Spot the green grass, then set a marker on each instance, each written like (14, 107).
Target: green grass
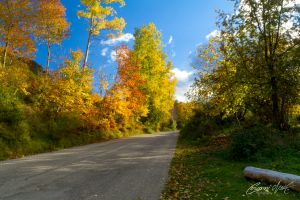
(204, 171)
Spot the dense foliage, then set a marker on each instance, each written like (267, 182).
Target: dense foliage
(248, 78)
(43, 109)
(250, 71)
(159, 84)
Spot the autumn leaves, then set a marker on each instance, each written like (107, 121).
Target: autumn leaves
(252, 67)
(96, 13)
(51, 23)
(23, 22)
(62, 105)
(15, 17)
(146, 75)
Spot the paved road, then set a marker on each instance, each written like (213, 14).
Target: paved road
(135, 168)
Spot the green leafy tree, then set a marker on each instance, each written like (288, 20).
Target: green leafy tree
(260, 38)
(218, 84)
(253, 61)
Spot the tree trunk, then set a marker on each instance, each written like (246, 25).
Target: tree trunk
(284, 115)
(5, 54)
(48, 58)
(278, 120)
(87, 49)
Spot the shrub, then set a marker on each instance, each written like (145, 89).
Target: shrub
(108, 135)
(298, 119)
(148, 130)
(171, 125)
(199, 128)
(174, 125)
(248, 142)
(10, 112)
(65, 126)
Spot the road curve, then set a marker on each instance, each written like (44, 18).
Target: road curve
(134, 168)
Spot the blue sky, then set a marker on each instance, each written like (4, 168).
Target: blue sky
(184, 25)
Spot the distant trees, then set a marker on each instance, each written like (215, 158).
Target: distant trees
(100, 17)
(255, 62)
(51, 24)
(184, 112)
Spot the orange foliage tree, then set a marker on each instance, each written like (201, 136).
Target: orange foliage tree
(130, 81)
(125, 102)
(15, 22)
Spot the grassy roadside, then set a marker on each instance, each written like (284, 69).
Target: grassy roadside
(202, 170)
(38, 145)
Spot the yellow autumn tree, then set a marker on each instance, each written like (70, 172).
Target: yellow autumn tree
(159, 84)
(69, 90)
(52, 25)
(100, 16)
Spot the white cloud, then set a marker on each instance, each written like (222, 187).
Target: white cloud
(113, 56)
(123, 38)
(104, 52)
(213, 34)
(181, 90)
(170, 40)
(182, 75)
(185, 80)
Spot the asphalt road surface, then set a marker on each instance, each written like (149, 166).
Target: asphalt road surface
(134, 168)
